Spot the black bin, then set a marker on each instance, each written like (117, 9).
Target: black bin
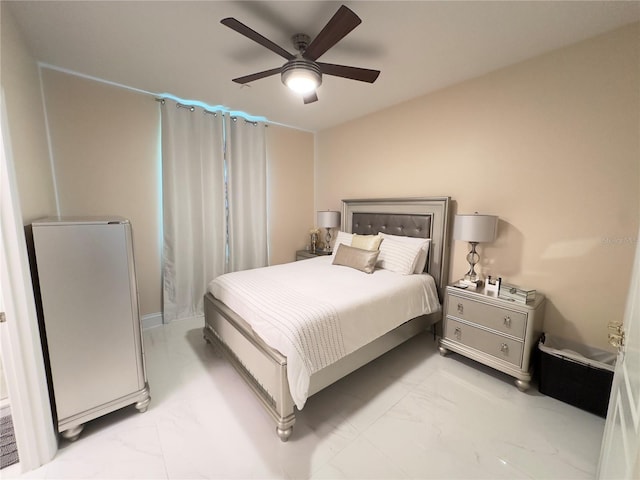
(576, 374)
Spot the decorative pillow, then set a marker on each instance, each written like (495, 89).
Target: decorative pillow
(344, 238)
(363, 260)
(366, 242)
(424, 243)
(398, 256)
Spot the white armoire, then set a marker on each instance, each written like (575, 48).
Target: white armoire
(89, 304)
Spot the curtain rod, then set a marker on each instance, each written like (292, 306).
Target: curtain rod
(48, 66)
(192, 108)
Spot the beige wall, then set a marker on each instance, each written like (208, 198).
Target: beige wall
(551, 145)
(105, 143)
(25, 114)
(290, 157)
(105, 148)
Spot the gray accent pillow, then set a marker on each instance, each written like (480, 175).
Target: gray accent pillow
(363, 260)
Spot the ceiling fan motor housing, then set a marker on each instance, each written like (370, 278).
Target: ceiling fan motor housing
(300, 42)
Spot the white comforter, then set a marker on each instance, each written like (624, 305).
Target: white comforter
(315, 313)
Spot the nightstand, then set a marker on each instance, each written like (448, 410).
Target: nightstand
(496, 332)
(304, 254)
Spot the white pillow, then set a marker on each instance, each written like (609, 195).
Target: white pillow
(424, 243)
(423, 256)
(342, 237)
(398, 256)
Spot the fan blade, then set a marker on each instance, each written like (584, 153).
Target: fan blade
(338, 27)
(310, 98)
(242, 29)
(352, 73)
(256, 76)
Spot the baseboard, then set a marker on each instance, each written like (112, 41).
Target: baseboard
(151, 320)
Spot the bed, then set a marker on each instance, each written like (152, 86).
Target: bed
(278, 379)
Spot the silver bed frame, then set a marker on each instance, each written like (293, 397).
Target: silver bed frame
(265, 369)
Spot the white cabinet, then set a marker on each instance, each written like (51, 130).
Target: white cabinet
(499, 333)
(89, 304)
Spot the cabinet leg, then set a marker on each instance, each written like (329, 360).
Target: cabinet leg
(142, 405)
(523, 385)
(72, 434)
(443, 351)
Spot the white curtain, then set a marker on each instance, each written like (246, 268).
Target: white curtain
(247, 194)
(194, 212)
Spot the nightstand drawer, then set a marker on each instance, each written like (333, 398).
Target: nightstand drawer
(493, 344)
(500, 319)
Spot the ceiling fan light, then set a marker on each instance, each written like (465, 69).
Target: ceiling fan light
(301, 81)
(301, 76)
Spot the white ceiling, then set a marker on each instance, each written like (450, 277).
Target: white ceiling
(181, 48)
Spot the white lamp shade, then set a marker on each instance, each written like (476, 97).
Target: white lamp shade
(475, 228)
(328, 219)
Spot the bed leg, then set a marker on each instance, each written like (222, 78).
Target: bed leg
(284, 433)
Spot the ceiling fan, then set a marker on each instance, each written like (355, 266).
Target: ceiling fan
(302, 73)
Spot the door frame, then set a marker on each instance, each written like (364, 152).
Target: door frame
(22, 355)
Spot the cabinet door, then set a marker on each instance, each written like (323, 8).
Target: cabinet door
(89, 315)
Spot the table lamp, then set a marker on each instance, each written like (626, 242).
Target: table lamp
(474, 229)
(328, 219)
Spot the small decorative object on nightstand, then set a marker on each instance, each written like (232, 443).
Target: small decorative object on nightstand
(497, 332)
(304, 254)
(313, 239)
(492, 286)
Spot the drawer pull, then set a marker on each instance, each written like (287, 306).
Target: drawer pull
(507, 321)
(504, 348)
(460, 308)
(458, 333)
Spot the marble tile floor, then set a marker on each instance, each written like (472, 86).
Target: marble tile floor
(410, 414)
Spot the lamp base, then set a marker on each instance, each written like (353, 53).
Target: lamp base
(473, 280)
(327, 245)
(471, 277)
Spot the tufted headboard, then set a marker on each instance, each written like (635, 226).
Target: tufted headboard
(425, 217)
(394, 224)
